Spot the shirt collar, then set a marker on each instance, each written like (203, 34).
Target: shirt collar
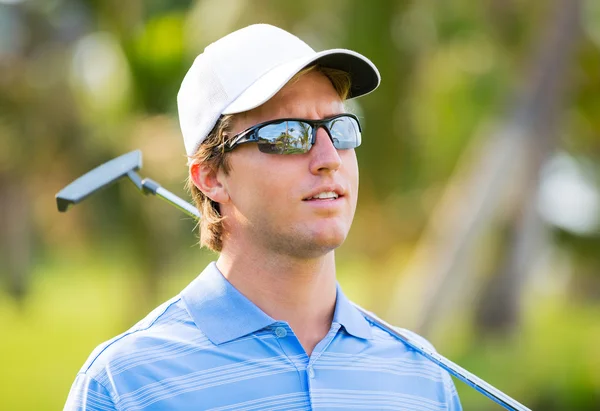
(350, 318)
(224, 314)
(219, 309)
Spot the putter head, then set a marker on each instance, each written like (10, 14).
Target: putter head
(98, 178)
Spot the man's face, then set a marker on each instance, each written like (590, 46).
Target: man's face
(271, 202)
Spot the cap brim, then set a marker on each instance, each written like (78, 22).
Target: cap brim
(364, 77)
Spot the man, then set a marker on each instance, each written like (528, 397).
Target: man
(273, 170)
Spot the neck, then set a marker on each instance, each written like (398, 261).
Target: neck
(301, 292)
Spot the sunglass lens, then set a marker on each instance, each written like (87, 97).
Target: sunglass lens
(345, 132)
(286, 137)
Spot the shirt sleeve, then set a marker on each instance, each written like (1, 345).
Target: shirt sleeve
(87, 394)
(452, 399)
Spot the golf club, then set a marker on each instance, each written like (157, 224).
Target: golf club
(109, 173)
(127, 165)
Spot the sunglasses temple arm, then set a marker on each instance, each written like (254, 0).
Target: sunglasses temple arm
(454, 369)
(246, 136)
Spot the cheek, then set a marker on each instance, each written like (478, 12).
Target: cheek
(263, 184)
(350, 164)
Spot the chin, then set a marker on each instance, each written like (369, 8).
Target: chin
(309, 243)
(315, 249)
(307, 240)
(329, 238)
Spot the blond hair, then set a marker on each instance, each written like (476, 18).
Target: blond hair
(212, 153)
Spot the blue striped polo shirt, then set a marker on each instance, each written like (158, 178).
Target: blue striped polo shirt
(210, 348)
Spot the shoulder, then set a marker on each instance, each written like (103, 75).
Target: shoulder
(382, 329)
(417, 344)
(153, 331)
(126, 362)
(415, 337)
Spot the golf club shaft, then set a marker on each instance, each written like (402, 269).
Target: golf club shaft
(178, 202)
(150, 186)
(454, 369)
(465, 376)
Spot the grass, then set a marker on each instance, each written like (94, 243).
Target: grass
(76, 303)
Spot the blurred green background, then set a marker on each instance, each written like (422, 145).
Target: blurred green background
(479, 218)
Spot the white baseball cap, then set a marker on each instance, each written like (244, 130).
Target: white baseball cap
(246, 68)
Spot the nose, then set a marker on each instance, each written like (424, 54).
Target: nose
(324, 156)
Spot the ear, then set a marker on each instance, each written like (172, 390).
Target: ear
(209, 181)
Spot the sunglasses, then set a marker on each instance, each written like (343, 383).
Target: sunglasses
(297, 136)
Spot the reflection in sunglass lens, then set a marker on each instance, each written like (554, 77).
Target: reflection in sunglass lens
(296, 136)
(345, 133)
(286, 137)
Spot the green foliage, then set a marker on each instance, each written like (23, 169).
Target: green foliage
(82, 82)
(78, 302)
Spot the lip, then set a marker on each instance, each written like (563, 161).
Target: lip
(336, 188)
